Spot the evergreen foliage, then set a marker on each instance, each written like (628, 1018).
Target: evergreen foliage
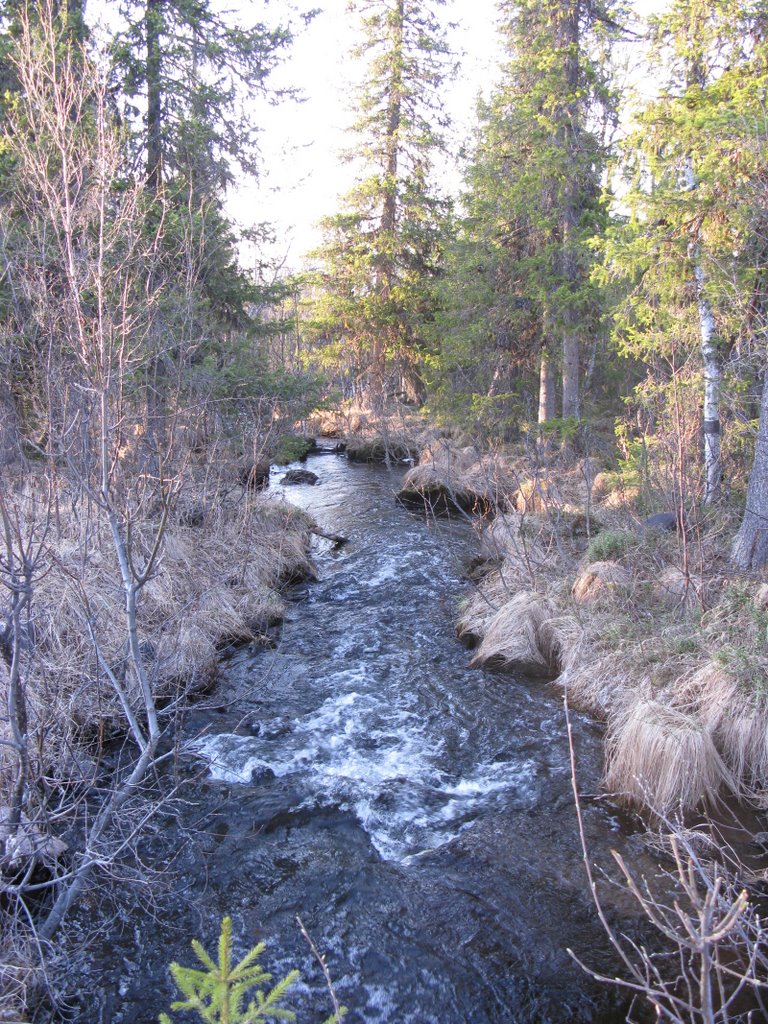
(218, 993)
(382, 252)
(692, 251)
(519, 292)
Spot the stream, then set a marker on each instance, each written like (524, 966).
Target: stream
(416, 814)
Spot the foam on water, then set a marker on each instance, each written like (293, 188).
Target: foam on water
(378, 760)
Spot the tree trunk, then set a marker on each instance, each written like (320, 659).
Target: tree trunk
(750, 546)
(546, 388)
(153, 20)
(571, 404)
(569, 135)
(713, 370)
(712, 378)
(388, 225)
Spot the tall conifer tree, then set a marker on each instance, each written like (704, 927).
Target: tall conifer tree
(381, 253)
(533, 199)
(694, 247)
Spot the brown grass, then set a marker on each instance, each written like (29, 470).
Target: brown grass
(513, 639)
(213, 585)
(536, 495)
(662, 758)
(495, 590)
(599, 686)
(738, 719)
(683, 693)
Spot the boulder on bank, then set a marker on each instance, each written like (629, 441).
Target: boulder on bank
(675, 589)
(601, 581)
(663, 521)
(299, 476)
(449, 478)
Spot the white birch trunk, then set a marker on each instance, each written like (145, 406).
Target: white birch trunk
(713, 370)
(546, 388)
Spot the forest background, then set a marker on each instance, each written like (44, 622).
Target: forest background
(596, 291)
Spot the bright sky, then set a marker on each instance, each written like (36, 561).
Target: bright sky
(302, 142)
(305, 175)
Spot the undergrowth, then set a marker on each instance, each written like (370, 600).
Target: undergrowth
(227, 993)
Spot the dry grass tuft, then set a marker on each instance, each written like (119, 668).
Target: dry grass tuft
(21, 977)
(496, 589)
(622, 499)
(601, 581)
(663, 758)
(602, 485)
(600, 686)
(513, 638)
(502, 535)
(738, 719)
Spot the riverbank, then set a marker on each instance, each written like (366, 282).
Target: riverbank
(629, 607)
(211, 561)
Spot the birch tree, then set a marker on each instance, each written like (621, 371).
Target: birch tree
(690, 250)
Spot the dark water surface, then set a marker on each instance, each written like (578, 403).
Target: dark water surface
(416, 814)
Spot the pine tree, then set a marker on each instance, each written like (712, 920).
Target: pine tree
(382, 252)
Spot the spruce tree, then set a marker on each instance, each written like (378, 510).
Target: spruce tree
(381, 253)
(533, 200)
(693, 248)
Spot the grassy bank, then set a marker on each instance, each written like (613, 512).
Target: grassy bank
(223, 553)
(616, 599)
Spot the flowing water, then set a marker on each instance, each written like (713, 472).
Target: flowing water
(415, 813)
